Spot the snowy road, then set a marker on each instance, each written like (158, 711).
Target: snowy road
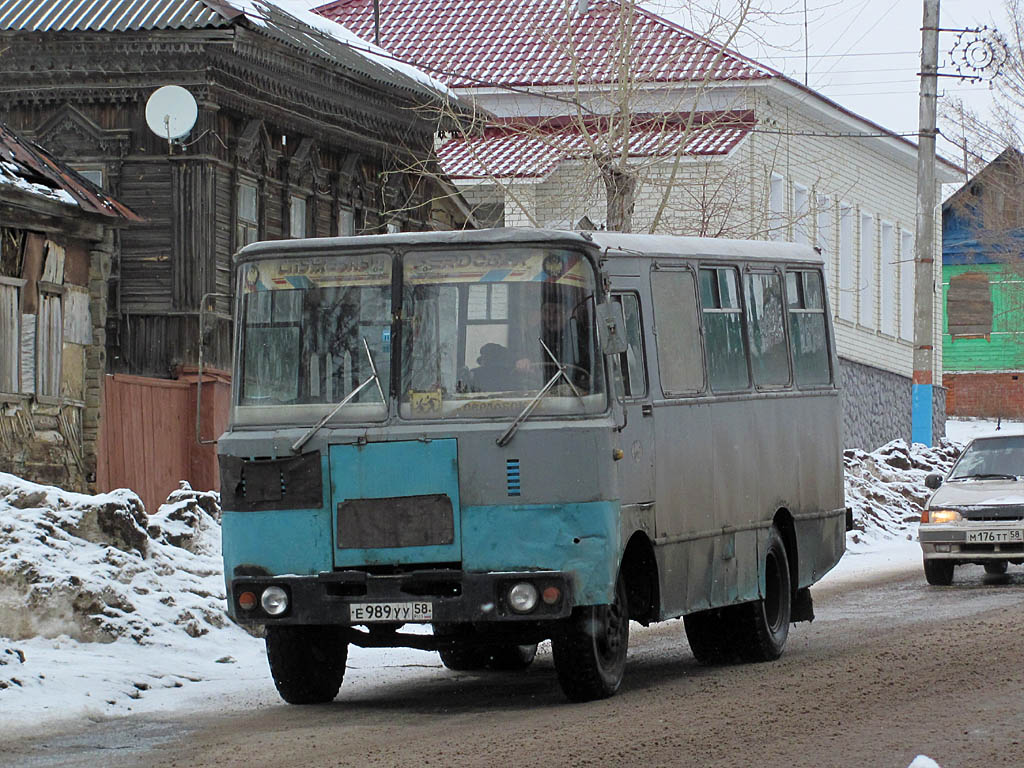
(890, 669)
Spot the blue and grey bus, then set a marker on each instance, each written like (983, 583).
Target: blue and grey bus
(523, 435)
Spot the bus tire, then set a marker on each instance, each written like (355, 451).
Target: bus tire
(306, 662)
(763, 625)
(712, 635)
(590, 653)
(939, 573)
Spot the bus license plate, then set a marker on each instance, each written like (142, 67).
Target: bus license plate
(411, 611)
(995, 537)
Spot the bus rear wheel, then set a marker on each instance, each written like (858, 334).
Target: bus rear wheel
(307, 662)
(763, 625)
(712, 635)
(590, 654)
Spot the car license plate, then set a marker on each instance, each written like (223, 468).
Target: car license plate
(995, 537)
(411, 611)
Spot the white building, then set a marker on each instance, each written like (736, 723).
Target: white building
(719, 145)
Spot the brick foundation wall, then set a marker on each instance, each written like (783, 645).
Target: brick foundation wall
(988, 395)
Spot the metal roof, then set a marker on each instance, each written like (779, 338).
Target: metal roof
(112, 15)
(531, 151)
(26, 166)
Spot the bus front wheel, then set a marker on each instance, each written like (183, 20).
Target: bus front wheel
(306, 662)
(590, 654)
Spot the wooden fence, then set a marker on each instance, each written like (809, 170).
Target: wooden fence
(147, 439)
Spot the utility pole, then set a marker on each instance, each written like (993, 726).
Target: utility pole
(924, 260)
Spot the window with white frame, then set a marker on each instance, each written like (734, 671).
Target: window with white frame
(49, 340)
(907, 286)
(866, 272)
(801, 214)
(296, 216)
(847, 280)
(247, 228)
(777, 207)
(888, 281)
(346, 221)
(10, 333)
(824, 235)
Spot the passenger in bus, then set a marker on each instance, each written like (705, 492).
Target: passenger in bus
(494, 371)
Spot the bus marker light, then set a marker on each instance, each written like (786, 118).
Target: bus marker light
(617, 454)
(274, 601)
(523, 597)
(550, 595)
(247, 601)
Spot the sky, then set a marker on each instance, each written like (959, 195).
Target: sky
(863, 54)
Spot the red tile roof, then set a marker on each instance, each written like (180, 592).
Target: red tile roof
(530, 42)
(528, 150)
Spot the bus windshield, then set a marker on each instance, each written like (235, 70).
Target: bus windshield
(308, 328)
(486, 330)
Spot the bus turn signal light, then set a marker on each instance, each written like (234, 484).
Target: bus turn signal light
(247, 601)
(551, 595)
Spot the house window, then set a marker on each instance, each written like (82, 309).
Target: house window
(847, 285)
(907, 286)
(49, 340)
(807, 326)
(346, 222)
(297, 216)
(247, 215)
(723, 330)
(824, 239)
(10, 333)
(866, 272)
(777, 207)
(801, 214)
(888, 282)
(393, 227)
(92, 173)
(969, 305)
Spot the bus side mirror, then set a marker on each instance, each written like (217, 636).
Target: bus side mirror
(933, 481)
(611, 328)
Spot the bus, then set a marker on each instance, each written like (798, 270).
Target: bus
(473, 442)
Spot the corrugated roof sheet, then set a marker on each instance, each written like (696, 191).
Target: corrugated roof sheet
(530, 151)
(534, 42)
(112, 15)
(27, 166)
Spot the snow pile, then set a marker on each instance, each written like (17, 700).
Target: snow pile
(97, 569)
(886, 490)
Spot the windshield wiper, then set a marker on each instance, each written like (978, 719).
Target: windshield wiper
(525, 413)
(985, 476)
(297, 445)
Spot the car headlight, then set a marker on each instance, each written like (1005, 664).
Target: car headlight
(523, 597)
(274, 601)
(944, 516)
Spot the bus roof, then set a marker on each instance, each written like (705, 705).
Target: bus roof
(617, 244)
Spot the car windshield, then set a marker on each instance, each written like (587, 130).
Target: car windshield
(991, 457)
(485, 331)
(309, 327)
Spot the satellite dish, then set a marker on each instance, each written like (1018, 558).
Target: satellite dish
(171, 112)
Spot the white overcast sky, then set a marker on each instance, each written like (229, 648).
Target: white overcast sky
(863, 54)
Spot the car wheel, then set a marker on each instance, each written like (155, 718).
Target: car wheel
(307, 663)
(939, 573)
(996, 567)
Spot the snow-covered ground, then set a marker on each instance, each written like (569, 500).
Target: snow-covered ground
(105, 611)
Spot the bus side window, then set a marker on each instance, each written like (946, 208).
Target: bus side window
(766, 322)
(807, 326)
(677, 332)
(628, 367)
(723, 329)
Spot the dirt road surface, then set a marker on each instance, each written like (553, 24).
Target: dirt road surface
(890, 669)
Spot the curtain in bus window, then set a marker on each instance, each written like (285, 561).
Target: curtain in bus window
(807, 324)
(723, 330)
(677, 332)
(766, 322)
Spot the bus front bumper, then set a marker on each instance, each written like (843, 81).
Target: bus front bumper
(435, 596)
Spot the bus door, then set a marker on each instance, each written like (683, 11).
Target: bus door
(636, 469)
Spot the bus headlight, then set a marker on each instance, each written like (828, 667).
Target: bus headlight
(944, 516)
(523, 597)
(274, 601)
